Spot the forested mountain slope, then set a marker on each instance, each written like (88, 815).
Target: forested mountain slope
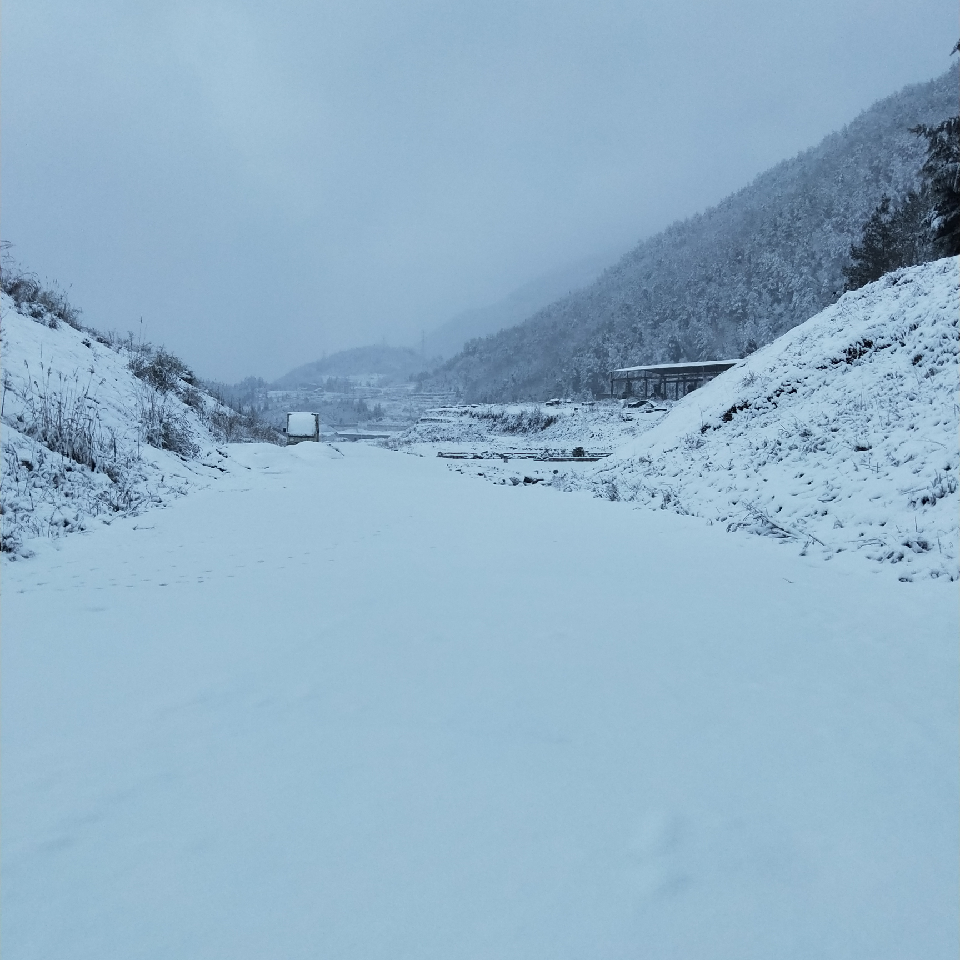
(725, 281)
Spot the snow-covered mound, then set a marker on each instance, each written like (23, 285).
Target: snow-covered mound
(841, 435)
(83, 437)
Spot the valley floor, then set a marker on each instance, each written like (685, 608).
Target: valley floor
(353, 705)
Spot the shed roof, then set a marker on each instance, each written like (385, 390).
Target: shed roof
(703, 366)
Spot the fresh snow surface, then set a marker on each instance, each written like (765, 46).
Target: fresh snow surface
(70, 375)
(841, 435)
(347, 704)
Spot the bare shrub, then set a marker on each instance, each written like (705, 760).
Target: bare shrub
(234, 426)
(164, 372)
(229, 422)
(48, 305)
(62, 414)
(523, 421)
(757, 519)
(61, 465)
(192, 397)
(44, 494)
(163, 426)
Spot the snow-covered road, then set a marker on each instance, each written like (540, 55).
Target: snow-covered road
(360, 707)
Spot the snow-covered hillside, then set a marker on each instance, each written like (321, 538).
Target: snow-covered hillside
(840, 435)
(83, 438)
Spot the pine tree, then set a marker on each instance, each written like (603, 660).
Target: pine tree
(940, 175)
(893, 237)
(874, 255)
(911, 228)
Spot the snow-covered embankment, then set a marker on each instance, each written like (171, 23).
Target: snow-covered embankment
(840, 435)
(83, 438)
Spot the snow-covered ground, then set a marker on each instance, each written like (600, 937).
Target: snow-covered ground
(552, 427)
(527, 442)
(840, 436)
(343, 702)
(64, 388)
(346, 704)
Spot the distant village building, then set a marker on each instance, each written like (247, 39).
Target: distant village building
(665, 381)
(303, 426)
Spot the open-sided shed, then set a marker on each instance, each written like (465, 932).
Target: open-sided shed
(665, 381)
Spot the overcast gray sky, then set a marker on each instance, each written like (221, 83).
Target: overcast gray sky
(265, 182)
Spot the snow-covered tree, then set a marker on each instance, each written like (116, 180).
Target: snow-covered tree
(941, 177)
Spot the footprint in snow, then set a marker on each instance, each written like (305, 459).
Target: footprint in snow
(652, 847)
